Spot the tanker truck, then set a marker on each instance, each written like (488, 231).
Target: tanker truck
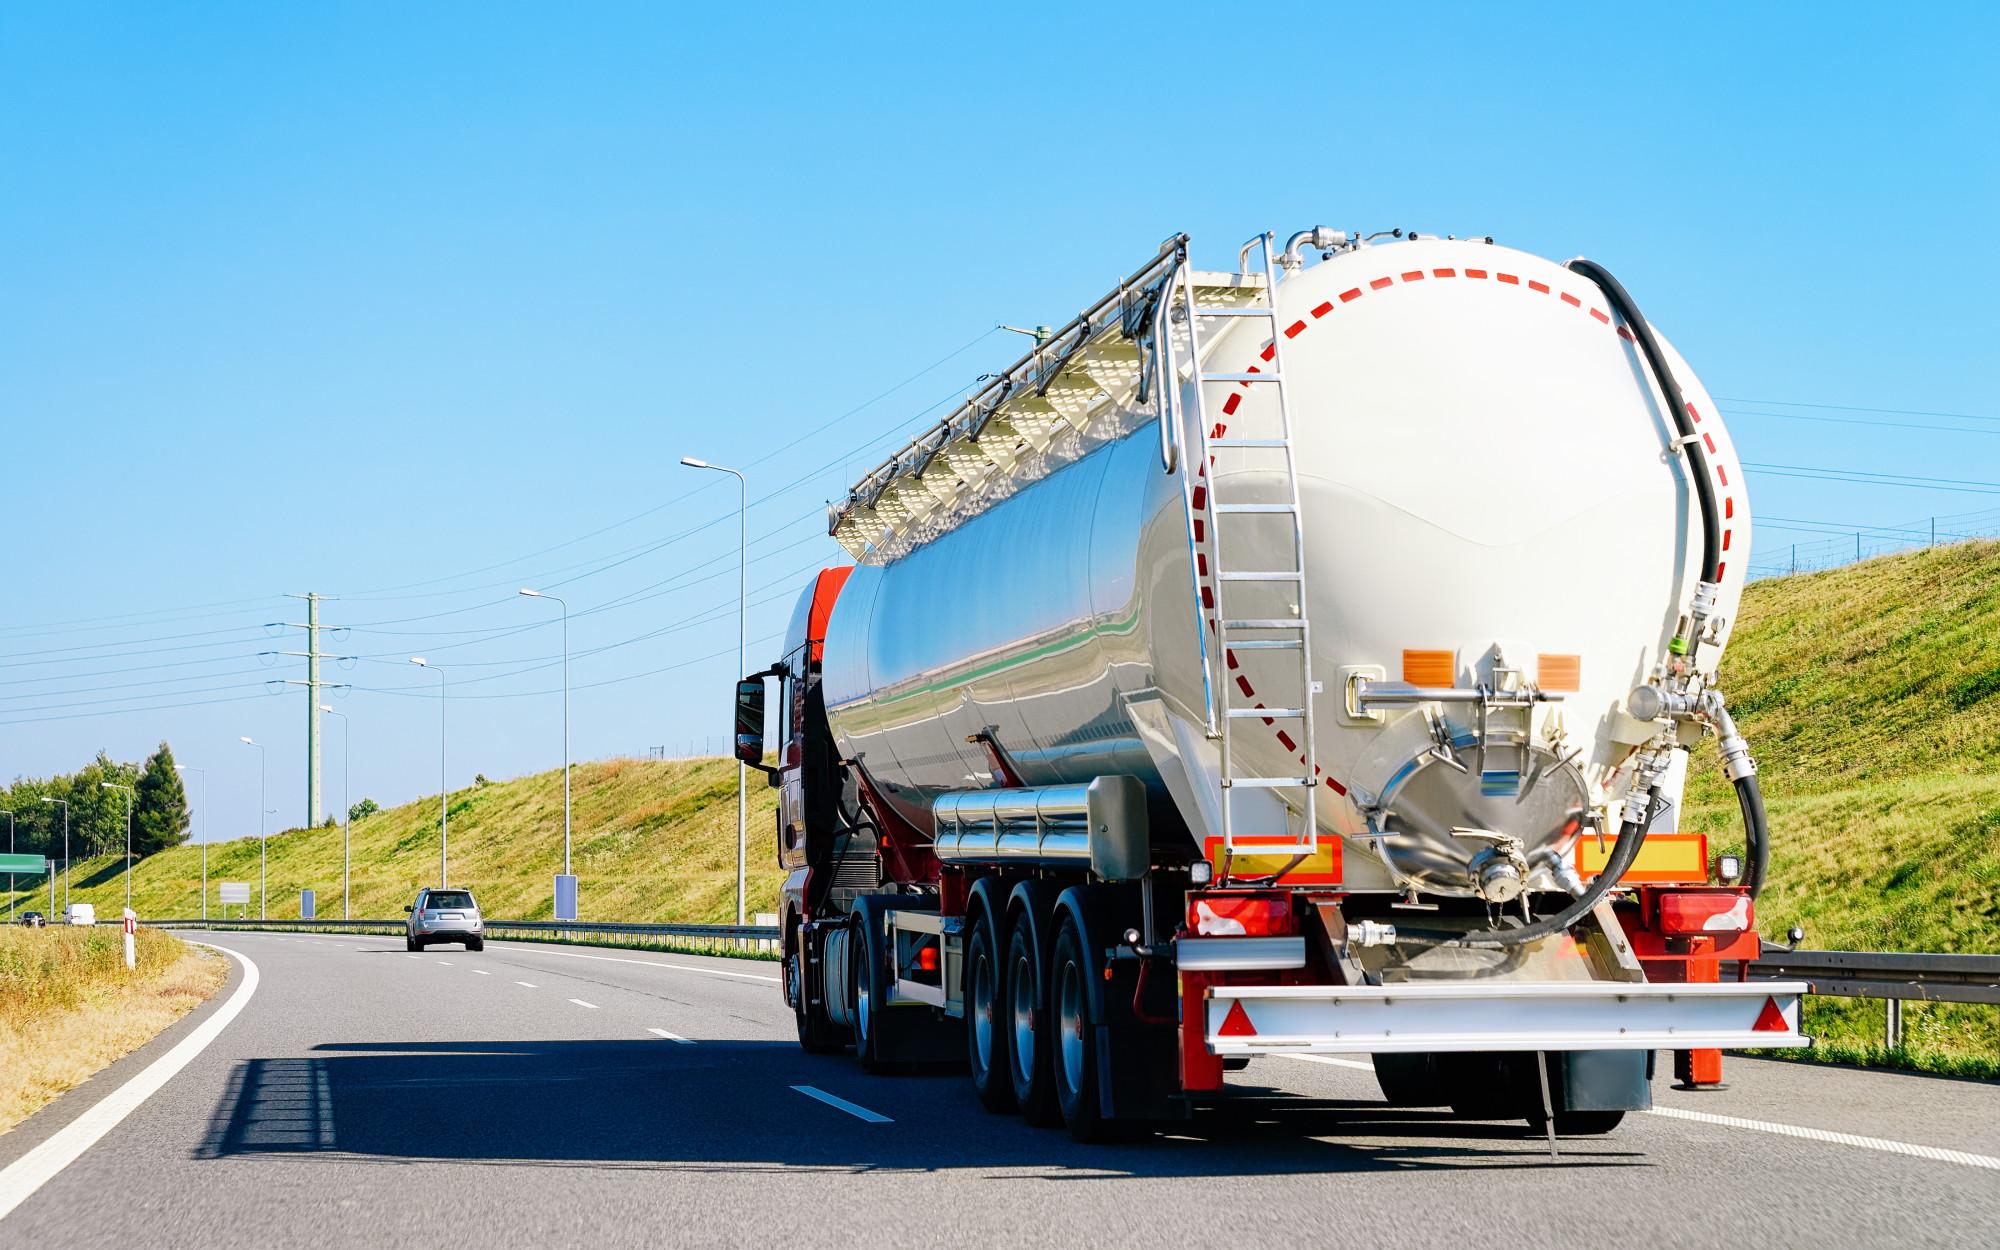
(1299, 658)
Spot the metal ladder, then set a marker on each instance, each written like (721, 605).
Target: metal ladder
(1293, 701)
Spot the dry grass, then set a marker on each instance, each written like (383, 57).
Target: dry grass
(68, 1007)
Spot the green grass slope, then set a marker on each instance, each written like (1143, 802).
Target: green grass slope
(1870, 695)
(651, 841)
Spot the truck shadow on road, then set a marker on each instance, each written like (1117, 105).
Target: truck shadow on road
(731, 1106)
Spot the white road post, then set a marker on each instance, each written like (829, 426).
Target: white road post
(131, 930)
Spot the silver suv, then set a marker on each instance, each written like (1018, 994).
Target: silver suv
(444, 915)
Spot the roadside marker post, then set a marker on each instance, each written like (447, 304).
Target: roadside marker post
(131, 929)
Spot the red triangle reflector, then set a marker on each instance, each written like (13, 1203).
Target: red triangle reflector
(1237, 1022)
(1771, 1020)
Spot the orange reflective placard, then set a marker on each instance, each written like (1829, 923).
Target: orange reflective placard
(1665, 859)
(1433, 670)
(1320, 868)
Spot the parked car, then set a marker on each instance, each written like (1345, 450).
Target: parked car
(80, 913)
(34, 919)
(444, 915)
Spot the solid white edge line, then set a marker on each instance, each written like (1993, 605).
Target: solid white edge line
(21, 1178)
(649, 963)
(579, 1002)
(1936, 1154)
(1335, 1061)
(672, 1037)
(858, 1112)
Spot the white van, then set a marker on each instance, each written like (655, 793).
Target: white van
(80, 913)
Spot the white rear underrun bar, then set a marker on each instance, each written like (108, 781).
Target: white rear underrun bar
(1502, 1015)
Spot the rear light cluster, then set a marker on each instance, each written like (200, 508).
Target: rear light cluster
(1241, 913)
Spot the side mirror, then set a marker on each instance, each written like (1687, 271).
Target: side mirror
(408, 910)
(750, 721)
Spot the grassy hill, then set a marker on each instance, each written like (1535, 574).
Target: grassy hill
(651, 840)
(1870, 695)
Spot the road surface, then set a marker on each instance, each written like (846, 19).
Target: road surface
(531, 1096)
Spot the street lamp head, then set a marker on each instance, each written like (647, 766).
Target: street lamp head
(693, 463)
(247, 742)
(532, 594)
(327, 707)
(419, 661)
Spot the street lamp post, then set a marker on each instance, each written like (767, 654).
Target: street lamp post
(131, 796)
(186, 768)
(444, 778)
(742, 591)
(65, 807)
(263, 837)
(347, 814)
(559, 601)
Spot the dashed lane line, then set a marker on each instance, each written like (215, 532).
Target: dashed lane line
(530, 984)
(1936, 1154)
(21, 1178)
(481, 972)
(1333, 1060)
(579, 1002)
(853, 1109)
(672, 1037)
(654, 963)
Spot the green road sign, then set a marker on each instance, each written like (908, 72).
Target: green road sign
(32, 864)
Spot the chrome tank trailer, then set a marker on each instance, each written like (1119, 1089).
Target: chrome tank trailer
(1501, 542)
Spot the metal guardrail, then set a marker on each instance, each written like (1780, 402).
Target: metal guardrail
(1893, 977)
(735, 938)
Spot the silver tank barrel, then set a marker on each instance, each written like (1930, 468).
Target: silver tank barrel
(1041, 824)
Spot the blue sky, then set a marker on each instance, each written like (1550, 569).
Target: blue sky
(418, 304)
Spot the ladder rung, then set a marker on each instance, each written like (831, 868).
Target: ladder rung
(1260, 577)
(1266, 644)
(1242, 377)
(1219, 310)
(1248, 442)
(1263, 623)
(1268, 713)
(1266, 508)
(1267, 783)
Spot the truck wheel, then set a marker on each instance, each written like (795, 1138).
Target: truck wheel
(1028, 1032)
(985, 1018)
(1073, 1039)
(817, 1034)
(867, 1035)
(1411, 1080)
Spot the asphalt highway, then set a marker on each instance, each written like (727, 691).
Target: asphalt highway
(529, 1096)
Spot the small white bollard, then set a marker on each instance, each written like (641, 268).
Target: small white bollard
(131, 928)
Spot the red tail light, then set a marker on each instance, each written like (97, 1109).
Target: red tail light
(1241, 913)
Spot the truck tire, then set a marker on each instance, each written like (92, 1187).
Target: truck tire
(817, 1034)
(1411, 1080)
(985, 1016)
(1027, 1020)
(1073, 1036)
(866, 964)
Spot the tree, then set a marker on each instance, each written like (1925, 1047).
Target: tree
(160, 810)
(366, 807)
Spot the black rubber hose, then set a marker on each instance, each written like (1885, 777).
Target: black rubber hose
(1756, 834)
(1704, 489)
(1630, 837)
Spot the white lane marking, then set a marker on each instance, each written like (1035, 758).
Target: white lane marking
(481, 972)
(653, 963)
(1334, 1060)
(445, 962)
(579, 1002)
(530, 984)
(672, 1037)
(1936, 1154)
(31, 1171)
(858, 1112)
(413, 956)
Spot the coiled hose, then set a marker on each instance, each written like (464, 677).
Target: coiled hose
(1756, 834)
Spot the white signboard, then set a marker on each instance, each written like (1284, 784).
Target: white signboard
(235, 892)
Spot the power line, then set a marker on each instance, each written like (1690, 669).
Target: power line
(1892, 412)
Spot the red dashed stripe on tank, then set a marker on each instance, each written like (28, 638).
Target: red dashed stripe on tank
(1230, 404)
